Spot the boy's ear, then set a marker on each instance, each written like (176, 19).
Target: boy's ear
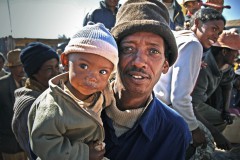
(64, 59)
(195, 25)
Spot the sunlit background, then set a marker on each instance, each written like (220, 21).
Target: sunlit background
(54, 18)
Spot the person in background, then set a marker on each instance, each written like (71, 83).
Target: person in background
(61, 68)
(8, 84)
(106, 13)
(175, 87)
(192, 6)
(3, 72)
(235, 95)
(64, 122)
(219, 58)
(175, 13)
(137, 124)
(40, 62)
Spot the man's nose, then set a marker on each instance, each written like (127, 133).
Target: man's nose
(140, 59)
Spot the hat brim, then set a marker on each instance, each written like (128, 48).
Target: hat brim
(127, 28)
(218, 44)
(13, 64)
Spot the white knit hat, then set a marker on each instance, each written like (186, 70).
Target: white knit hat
(95, 39)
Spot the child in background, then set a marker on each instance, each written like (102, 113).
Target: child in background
(64, 122)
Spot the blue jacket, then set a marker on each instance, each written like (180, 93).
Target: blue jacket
(102, 15)
(160, 134)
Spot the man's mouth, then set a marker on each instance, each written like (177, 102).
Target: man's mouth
(137, 77)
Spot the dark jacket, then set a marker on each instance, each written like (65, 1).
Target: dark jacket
(160, 134)
(102, 15)
(178, 17)
(208, 80)
(8, 142)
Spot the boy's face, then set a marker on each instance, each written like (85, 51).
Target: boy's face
(209, 32)
(88, 73)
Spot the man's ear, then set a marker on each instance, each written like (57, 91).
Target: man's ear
(64, 59)
(224, 52)
(165, 67)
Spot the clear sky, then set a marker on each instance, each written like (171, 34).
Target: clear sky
(50, 18)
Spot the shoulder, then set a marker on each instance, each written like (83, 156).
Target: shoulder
(5, 78)
(169, 115)
(184, 36)
(5, 81)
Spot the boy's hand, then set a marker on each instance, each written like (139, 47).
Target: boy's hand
(94, 153)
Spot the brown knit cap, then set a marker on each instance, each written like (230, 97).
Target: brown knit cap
(147, 16)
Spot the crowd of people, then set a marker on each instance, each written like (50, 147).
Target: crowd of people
(138, 81)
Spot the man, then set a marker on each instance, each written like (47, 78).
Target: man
(175, 87)
(8, 84)
(191, 6)
(219, 58)
(2, 70)
(175, 13)
(105, 14)
(40, 63)
(137, 124)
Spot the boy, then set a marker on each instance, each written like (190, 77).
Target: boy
(64, 122)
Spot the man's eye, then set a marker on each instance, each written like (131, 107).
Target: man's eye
(49, 69)
(127, 50)
(103, 72)
(83, 66)
(154, 51)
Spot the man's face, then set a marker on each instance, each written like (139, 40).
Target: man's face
(230, 56)
(17, 72)
(141, 62)
(192, 6)
(111, 3)
(209, 32)
(49, 69)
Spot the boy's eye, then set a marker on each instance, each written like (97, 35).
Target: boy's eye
(83, 66)
(103, 72)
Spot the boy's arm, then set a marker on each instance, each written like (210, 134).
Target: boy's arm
(47, 139)
(184, 75)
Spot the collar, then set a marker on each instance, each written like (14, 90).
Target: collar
(150, 119)
(169, 5)
(34, 85)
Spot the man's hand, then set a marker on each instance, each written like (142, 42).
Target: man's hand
(198, 137)
(94, 152)
(227, 117)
